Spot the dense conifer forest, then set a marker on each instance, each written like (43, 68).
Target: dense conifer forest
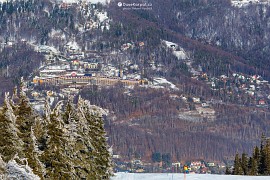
(67, 141)
(257, 164)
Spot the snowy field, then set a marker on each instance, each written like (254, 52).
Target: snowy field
(130, 176)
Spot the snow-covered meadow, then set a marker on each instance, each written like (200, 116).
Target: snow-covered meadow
(165, 176)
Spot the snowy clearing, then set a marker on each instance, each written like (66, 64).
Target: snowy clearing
(179, 52)
(160, 82)
(244, 3)
(164, 176)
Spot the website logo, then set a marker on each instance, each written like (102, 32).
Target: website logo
(135, 6)
(120, 4)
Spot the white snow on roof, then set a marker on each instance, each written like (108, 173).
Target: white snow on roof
(102, 16)
(167, 176)
(133, 76)
(169, 44)
(52, 70)
(59, 67)
(44, 48)
(73, 45)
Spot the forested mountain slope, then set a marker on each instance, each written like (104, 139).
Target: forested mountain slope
(225, 65)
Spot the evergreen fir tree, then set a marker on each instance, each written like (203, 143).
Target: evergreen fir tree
(15, 94)
(57, 163)
(73, 144)
(244, 163)
(237, 170)
(101, 155)
(39, 136)
(86, 170)
(60, 145)
(253, 166)
(267, 158)
(47, 112)
(41, 131)
(34, 162)
(25, 122)
(10, 143)
(227, 171)
(262, 161)
(3, 169)
(249, 165)
(254, 161)
(256, 153)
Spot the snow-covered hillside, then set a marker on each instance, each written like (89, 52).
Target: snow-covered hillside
(130, 176)
(75, 1)
(243, 3)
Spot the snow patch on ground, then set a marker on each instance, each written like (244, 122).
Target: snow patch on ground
(178, 51)
(164, 82)
(57, 33)
(180, 54)
(16, 171)
(161, 83)
(168, 176)
(169, 44)
(244, 3)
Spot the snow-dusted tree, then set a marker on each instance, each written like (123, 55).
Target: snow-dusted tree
(58, 165)
(71, 120)
(26, 118)
(10, 143)
(47, 111)
(3, 169)
(97, 136)
(69, 144)
(34, 162)
(41, 123)
(84, 161)
(15, 94)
